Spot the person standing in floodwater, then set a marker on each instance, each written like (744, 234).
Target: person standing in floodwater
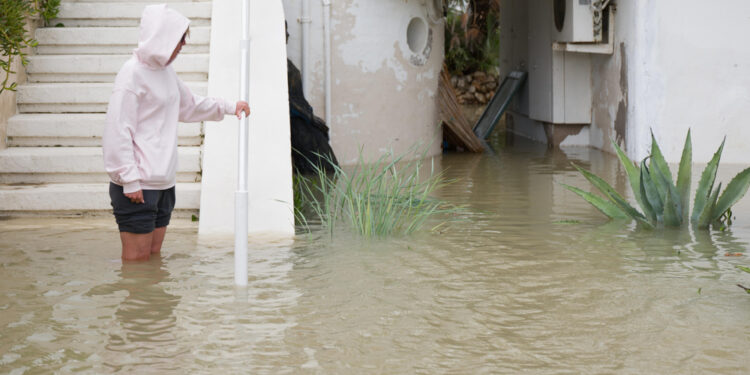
(140, 136)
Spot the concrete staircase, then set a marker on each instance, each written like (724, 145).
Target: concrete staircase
(53, 162)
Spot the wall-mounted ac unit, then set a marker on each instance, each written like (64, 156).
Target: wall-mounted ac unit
(574, 22)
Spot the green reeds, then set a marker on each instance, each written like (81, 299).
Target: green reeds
(388, 197)
(661, 200)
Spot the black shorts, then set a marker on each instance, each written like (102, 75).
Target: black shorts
(142, 217)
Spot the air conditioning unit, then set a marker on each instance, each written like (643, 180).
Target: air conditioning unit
(575, 22)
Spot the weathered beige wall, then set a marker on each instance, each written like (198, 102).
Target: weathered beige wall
(7, 109)
(383, 95)
(611, 82)
(7, 97)
(8, 100)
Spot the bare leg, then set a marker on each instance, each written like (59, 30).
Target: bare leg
(157, 240)
(136, 247)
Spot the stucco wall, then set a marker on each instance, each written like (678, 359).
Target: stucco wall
(697, 75)
(612, 114)
(677, 64)
(381, 99)
(270, 164)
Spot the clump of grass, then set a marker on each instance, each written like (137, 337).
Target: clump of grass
(391, 196)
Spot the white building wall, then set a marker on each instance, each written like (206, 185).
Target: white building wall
(700, 76)
(614, 84)
(270, 163)
(678, 64)
(381, 99)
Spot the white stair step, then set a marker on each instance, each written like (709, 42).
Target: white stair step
(98, 68)
(75, 129)
(75, 164)
(109, 14)
(106, 40)
(73, 97)
(79, 197)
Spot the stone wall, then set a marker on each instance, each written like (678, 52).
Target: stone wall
(476, 87)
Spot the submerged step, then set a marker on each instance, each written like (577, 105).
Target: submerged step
(98, 68)
(77, 130)
(79, 197)
(106, 40)
(86, 14)
(73, 97)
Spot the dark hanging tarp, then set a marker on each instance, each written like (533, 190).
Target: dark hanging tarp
(310, 140)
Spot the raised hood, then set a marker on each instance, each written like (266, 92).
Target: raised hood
(160, 31)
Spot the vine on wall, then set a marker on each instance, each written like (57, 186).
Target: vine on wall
(14, 37)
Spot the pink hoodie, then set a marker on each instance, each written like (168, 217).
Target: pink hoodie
(140, 138)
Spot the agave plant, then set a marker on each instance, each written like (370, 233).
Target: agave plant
(661, 200)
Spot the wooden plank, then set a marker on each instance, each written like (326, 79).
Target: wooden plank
(456, 127)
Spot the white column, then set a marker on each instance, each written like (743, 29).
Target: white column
(327, 48)
(269, 170)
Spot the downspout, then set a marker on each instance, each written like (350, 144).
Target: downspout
(305, 20)
(327, 44)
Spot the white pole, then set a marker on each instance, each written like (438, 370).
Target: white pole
(327, 47)
(305, 20)
(240, 211)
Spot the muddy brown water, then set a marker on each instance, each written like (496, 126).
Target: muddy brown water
(530, 280)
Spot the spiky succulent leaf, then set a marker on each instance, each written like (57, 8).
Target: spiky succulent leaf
(604, 206)
(671, 215)
(658, 163)
(657, 159)
(735, 190)
(671, 194)
(705, 185)
(746, 269)
(634, 177)
(705, 219)
(650, 192)
(684, 176)
(614, 196)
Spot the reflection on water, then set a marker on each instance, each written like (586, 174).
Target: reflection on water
(531, 280)
(144, 336)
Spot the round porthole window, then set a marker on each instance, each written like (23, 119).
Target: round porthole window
(419, 40)
(416, 35)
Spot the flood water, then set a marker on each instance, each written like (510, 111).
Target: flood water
(530, 280)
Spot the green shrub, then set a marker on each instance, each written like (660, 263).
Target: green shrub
(470, 46)
(661, 200)
(13, 34)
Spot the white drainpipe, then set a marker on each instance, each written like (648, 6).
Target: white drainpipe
(327, 44)
(305, 20)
